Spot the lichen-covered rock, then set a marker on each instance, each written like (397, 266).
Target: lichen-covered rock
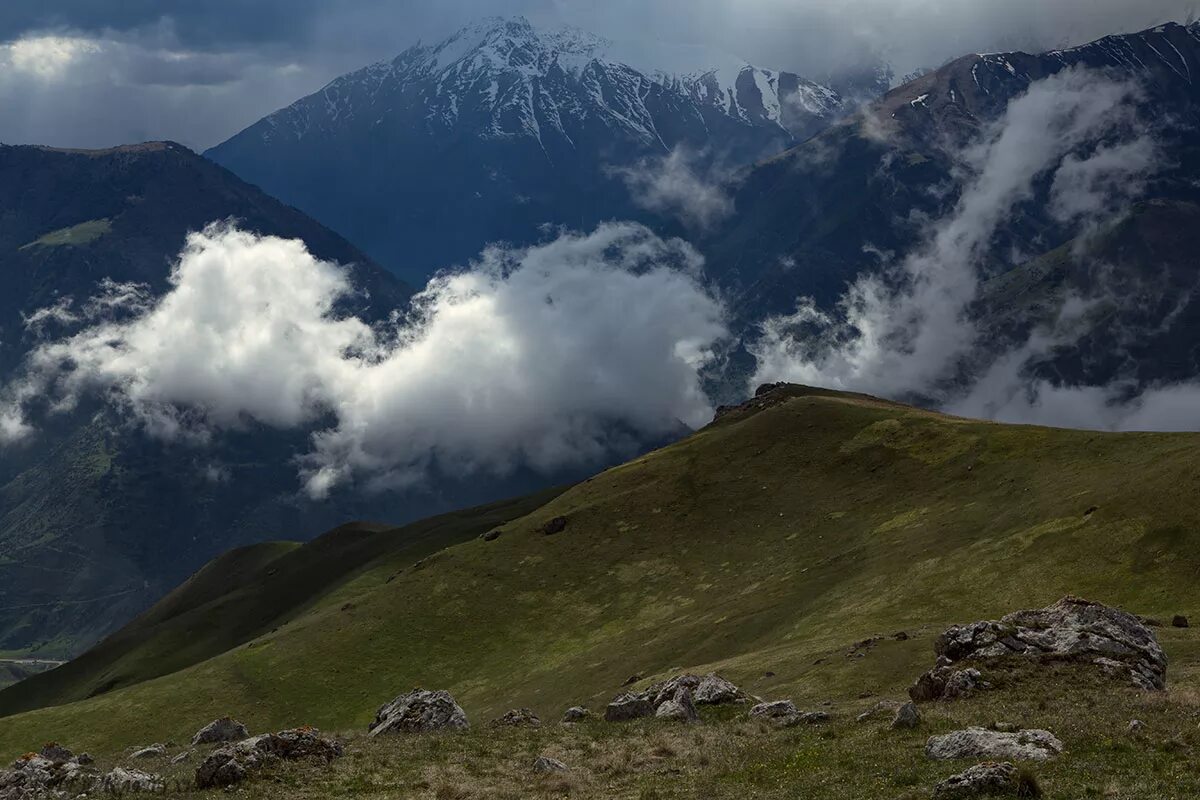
(784, 714)
(546, 764)
(517, 718)
(715, 690)
(1073, 629)
(234, 763)
(225, 729)
(34, 776)
(575, 714)
(989, 779)
(679, 708)
(419, 711)
(907, 717)
(629, 706)
(130, 781)
(1025, 745)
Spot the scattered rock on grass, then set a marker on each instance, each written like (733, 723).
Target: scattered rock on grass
(784, 714)
(225, 729)
(907, 717)
(235, 762)
(517, 718)
(1025, 745)
(989, 779)
(55, 752)
(33, 776)
(1179, 621)
(491, 536)
(153, 751)
(709, 689)
(1136, 726)
(880, 710)
(575, 714)
(945, 682)
(419, 711)
(546, 764)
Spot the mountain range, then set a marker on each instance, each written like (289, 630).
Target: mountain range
(504, 128)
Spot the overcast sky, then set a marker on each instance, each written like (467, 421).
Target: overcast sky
(90, 73)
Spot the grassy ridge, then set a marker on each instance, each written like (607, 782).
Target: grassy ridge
(767, 543)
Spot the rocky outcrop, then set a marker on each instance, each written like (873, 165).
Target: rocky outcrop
(1073, 629)
(1025, 745)
(517, 718)
(710, 689)
(989, 779)
(55, 752)
(234, 763)
(784, 714)
(679, 708)
(225, 729)
(34, 776)
(419, 711)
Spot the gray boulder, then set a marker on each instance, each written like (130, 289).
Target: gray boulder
(1025, 745)
(1073, 629)
(517, 718)
(546, 764)
(784, 714)
(945, 682)
(219, 731)
(881, 710)
(907, 717)
(234, 763)
(33, 776)
(625, 707)
(982, 780)
(679, 708)
(419, 711)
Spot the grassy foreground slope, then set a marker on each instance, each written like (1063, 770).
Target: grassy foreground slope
(763, 546)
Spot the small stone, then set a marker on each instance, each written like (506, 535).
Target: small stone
(1179, 621)
(491, 536)
(879, 710)
(517, 718)
(546, 764)
(575, 714)
(907, 717)
(556, 525)
(84, 759)
(153, 751)
(1136, 726)
(186, 755)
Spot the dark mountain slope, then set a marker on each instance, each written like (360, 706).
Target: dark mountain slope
(245, 594)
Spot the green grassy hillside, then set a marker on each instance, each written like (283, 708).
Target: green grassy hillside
(764, 547)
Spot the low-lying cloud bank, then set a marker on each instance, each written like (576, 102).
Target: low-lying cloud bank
(909, 332)
(547, 357)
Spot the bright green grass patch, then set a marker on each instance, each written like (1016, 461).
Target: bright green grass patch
(74, 236)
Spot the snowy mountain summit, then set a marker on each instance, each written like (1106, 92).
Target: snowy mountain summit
(504, 127)
(506, 78)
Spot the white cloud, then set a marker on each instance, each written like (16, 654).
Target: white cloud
(908, 332)
(46, 57)
(678, 185)
(547, 357)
